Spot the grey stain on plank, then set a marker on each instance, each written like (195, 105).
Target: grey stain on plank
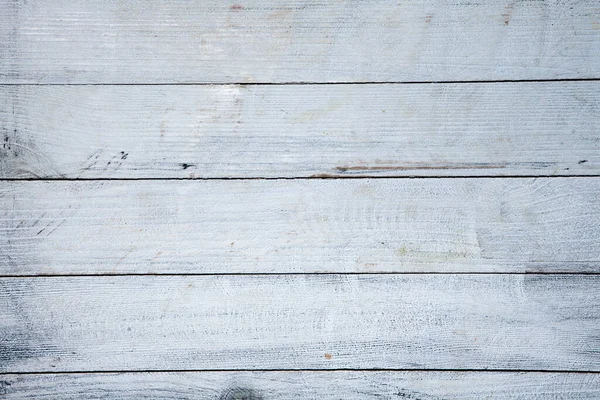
(304, 385)
(240, 393)
(410, 395)
(4, 385)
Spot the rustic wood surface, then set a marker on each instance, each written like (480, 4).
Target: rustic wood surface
(133, 41)
(300, 226)
(544, 128)
(322, 385)
(190, 202)
(443, 321)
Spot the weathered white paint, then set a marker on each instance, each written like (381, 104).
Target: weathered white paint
(548, 128)
(127, 41)
(104, 323)
(322, 385)
(349, 225)
(528, 322)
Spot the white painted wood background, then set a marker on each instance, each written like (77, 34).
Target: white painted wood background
(299, 199)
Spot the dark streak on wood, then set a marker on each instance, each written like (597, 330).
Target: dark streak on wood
(417, 167)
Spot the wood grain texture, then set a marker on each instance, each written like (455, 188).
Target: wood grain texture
(332, 385)
(548, 128)
(516, 322)
(132, 41)
(349, 225)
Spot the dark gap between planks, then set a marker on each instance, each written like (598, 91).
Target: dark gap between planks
(300, 83)
(141, 371)
(289, 273)
(282, 178)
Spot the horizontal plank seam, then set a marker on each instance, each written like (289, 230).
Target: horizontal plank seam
(325, 370)
(299, 178)
(17, 276)
(298, 83)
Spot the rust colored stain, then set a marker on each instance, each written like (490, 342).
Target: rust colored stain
(428, 18)
(508, 13)
(237, 7)
(328, 356)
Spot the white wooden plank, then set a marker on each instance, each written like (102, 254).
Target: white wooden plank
(440, 321)
(92, 132)
(332, 385)
(133, 41)
(348, 225)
